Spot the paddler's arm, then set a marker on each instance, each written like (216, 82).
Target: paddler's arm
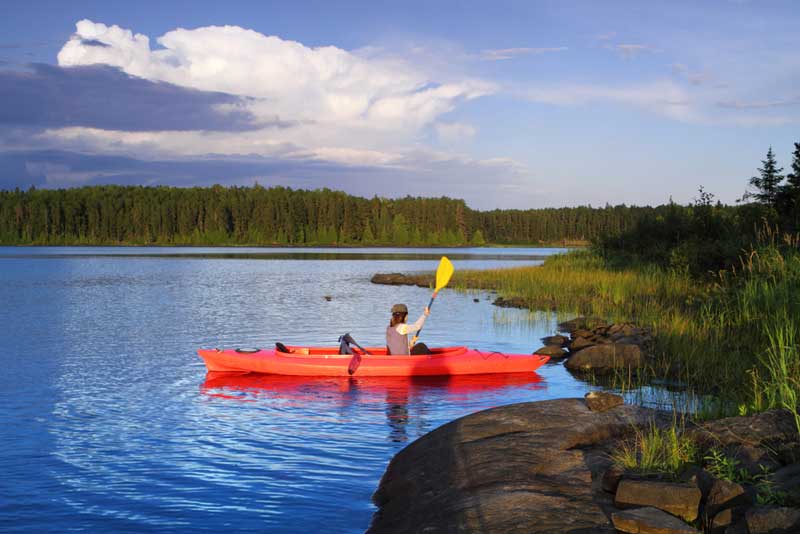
(404, 329)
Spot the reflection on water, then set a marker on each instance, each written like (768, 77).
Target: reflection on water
(398, 396)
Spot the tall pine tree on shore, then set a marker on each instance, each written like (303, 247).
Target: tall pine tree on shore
(767, 183)
(790, 192)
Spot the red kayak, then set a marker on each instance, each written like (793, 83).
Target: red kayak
(326, 361)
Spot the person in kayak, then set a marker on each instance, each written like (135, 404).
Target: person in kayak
(397, 331)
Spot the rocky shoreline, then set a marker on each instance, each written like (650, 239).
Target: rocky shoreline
(546, 467)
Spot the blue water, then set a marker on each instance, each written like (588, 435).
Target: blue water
(110, 423)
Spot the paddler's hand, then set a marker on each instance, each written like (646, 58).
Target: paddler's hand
(427, 311)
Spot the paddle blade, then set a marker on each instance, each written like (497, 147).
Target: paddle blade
(443, 273)
(354, 363)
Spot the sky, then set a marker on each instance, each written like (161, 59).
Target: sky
(527, 104)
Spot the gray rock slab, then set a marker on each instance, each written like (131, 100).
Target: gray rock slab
(530, 467)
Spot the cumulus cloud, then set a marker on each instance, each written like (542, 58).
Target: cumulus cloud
(104, 97)
(322, 84)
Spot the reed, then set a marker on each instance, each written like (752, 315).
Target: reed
(734, 335)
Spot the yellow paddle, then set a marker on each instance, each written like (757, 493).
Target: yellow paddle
(443, 274)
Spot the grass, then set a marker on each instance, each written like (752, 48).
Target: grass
(654, 449)
(733, 336)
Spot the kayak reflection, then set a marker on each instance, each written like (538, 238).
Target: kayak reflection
(344, 395)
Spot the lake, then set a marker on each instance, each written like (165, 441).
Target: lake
(110, 423)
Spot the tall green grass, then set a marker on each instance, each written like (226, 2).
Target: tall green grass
(734, 335)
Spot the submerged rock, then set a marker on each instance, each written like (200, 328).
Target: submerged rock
(531, 467)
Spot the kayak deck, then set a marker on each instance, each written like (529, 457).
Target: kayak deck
(326, 361)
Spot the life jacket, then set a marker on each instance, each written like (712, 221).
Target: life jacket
(396, 342)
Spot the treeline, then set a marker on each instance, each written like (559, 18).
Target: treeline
(282, 216)
(708, 237)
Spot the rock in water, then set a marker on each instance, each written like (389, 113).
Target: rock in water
(554, 351)
(600, 401)
(603, 359)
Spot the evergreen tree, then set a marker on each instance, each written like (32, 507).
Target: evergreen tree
(767, 183)
(477, 238)
(790, 192)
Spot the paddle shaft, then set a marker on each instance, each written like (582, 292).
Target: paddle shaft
(416, 336)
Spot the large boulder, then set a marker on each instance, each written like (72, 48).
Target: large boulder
(531, 467)
(605, 358)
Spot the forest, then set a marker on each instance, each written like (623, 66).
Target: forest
(135, 215)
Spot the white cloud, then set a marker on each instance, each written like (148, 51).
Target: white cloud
(285, 78)
(663, 97)
(629, 51)
(450, 132)
(511, 53)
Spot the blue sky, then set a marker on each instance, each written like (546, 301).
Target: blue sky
(505, 104)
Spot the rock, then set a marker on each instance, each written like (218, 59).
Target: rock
(787, 481)
(512, 302)
(721, 522)
(600, 401)
(682, 500)
(579, 343)
(328, 298)
(752, 459)
(650, 520)
(724, 494)
(586, 334)
(399, 279)
(581, 322)
(555, 340)
(605, 358)
(766, 428)
(554, 351)
(530, 467)
(611, 478)
(476, 300)
(772, 519)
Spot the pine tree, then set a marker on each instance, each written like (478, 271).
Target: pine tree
(477, 238)
(790, 192)
(767, 184)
